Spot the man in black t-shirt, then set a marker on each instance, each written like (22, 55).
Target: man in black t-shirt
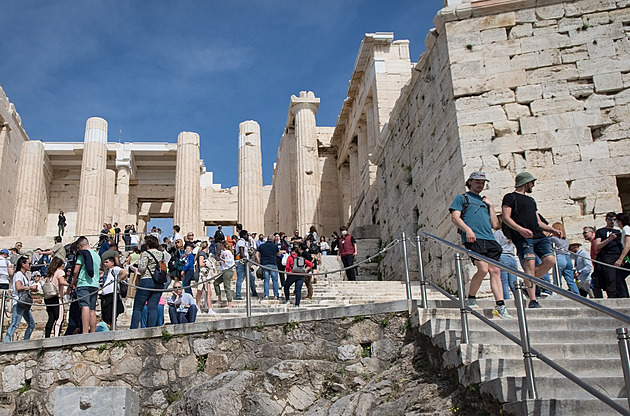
(608, 242)
(520, 213)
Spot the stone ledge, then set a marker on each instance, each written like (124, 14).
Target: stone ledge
(300, 315)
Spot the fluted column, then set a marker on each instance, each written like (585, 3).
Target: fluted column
(187, 189)
(30, 190)
(250, 195)
(110, 189)
(345, 193)
(92, 184)
(308, 176)
(355, 172)
(122, 194)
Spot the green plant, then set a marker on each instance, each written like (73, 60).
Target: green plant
(358, 318)
(584, 27)
(166, 336)
(101, 348)
(342, 371)
(469, 47)
(40, 352)
(25, 387)
(260, 325)
(290, 326)
(366, 350)
(202, 360)
(594, 41)
(172, 396)
(120, 344)
(384, 323)
(404, 327)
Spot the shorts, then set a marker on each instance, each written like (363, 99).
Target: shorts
(529, 248)
(487, 248)
(87, 297)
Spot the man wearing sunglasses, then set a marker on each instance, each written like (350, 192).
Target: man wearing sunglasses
(608, 242)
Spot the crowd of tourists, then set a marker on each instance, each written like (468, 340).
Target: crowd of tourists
(520, 235)
(176, 274)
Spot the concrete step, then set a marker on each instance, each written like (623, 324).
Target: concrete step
(491, 368)
(510, 389)
(467, 353)
(564, 407)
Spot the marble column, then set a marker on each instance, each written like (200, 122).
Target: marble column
(345, 193)
(355, 172)
(92, 183)
(110, 190)
(308, 176)
(122, 193)
(186, 212)
(30, 213)
(250, 186)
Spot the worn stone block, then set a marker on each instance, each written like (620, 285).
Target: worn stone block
(528, 93)
(526, 16)
(555, 11)
(555, 89)
(96, 401)
(599, 101)
(569, 23)
(488, 115)
(554, 73)
(601, 48)
(550, 41)
(515, 111)
(578, 8)
(594, 151)
(500, 96)
(619, 148)
(608, 82)
(566, 154)
(589, 68)
(521, 31)
(555, 105)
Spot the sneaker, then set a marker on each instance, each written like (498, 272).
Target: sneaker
(501, 312)
(534, 304)
(545, 293)
(266, 298)
(472, 303)
(211, 312)
(287, 302)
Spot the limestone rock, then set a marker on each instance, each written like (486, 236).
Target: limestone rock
(13, 377)
(203, 346)
(348, 352)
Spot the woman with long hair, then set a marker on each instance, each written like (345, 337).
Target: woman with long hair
(565, 265)
(147, 264)
(54, 305)
(227, 271)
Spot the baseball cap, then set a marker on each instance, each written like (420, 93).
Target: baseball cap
(478, 175)
(4, 251)
(523, 178)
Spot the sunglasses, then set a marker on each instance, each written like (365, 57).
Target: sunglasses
(177, 287)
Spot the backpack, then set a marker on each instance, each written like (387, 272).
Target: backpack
(49, 289)
(299, 265)
(507, 231)
(464, 208)
(159, 274)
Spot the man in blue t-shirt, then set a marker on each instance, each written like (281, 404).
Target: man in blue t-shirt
(267, 255)
(475, 217)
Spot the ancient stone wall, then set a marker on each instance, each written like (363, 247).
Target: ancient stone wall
(161, 364)
(12, 135)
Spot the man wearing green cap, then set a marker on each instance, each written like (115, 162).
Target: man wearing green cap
(520, 213)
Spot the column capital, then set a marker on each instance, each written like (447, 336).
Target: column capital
(306, 100)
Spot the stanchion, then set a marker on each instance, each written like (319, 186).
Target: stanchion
(556, 270)
(407, 282)
(462, 298)
(424, 302)
(115, 304)
(624, 351)
(248, 293)
(525, 346)
(4, 300)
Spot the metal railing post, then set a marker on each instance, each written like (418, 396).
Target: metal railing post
(624, 351)
(556, 270)
(462, 298)
(115, 305)
(525, 346)
(407, 282)
(4, 299)
(424, 302)
(248, 293)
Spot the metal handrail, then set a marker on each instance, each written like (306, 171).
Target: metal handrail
(528, 352)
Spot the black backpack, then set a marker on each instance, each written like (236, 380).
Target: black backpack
(507, 231)
(159, 274)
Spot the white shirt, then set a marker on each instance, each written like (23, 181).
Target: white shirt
(135, 239)
(177, 236)
(242, 243)
(111, 274)
(227, 259)
(4, 270)
(624, 232)
(19, 276)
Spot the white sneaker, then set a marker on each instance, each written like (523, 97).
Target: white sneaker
(211, 312)
(501, 312)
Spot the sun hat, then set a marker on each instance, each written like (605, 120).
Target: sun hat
(575, 242)
(478, 175)
(523, 178)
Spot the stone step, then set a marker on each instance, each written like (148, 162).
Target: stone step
(510, 389)
(564, 407)
(491, 368)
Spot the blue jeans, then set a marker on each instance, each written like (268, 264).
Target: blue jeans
(299, 281)
(145, 314)
(18, 313)
(150, 298)
(565, 267)
(273, 274)
(508, 279)
(532, 247)
(188, 277)
(240, 276)
(182, 317)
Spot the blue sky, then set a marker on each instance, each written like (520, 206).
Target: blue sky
(155, 68)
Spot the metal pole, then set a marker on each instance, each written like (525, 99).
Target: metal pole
(407, 282)
(424, 302)
(525, 346)
(4, 299)
(248, 296)
(115, 305)
(556, 270)
(624, 351)
(462, 298)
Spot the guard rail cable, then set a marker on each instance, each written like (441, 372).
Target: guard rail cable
(523, 341)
